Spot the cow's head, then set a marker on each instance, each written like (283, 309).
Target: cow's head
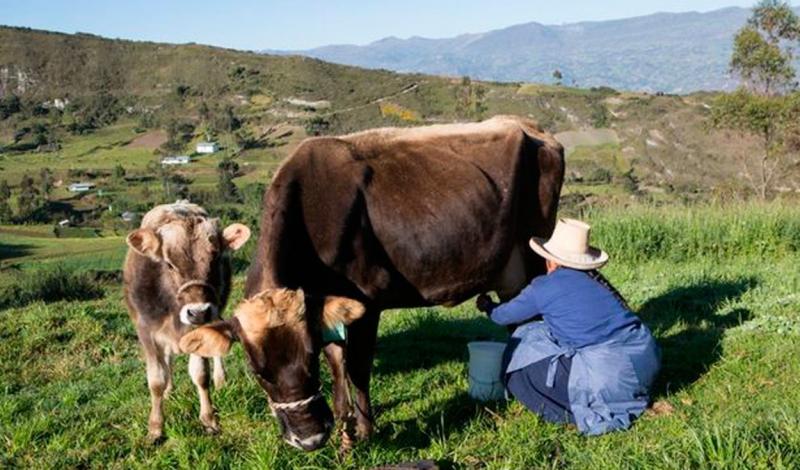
(191, 261)
(281, 331)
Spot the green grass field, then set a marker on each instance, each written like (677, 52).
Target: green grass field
(73, 390)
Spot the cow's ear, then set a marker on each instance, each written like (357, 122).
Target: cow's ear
(146, 242)
(341, 310)
(212, 340)
(235, 235)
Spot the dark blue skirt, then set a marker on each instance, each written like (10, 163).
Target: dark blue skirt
(528, 385)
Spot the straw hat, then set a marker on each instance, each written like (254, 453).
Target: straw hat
(569, 246)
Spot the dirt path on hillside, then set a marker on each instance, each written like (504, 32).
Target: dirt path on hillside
(150, 140)
(405, 90)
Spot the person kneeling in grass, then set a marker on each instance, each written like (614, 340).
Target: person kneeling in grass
(590, 361)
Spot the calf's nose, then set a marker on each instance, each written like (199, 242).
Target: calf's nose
(197, 313)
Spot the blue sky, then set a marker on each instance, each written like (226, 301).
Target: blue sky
(283, 24)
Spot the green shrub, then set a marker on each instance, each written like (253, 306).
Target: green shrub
(48, 285)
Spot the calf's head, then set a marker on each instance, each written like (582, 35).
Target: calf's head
(281, 332)
(193, 269)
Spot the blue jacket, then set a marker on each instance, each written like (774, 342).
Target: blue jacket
(578, 309)
(611, 373)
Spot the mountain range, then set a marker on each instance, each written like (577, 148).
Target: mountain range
(669, 52)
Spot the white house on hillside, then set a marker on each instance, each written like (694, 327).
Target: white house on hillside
(81, 187)
(176, 160)
(207, 147)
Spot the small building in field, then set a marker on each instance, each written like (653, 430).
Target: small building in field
(176, 160)
(81, 187)
(129, 216)
(64, 223)
(207, 147)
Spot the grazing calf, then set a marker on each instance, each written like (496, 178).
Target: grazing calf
(177, 276)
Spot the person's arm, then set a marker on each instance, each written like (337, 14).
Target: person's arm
(517, 310)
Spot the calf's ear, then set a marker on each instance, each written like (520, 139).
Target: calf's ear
(235, 235)
(341, 310)
(212, 340)
(146, 242)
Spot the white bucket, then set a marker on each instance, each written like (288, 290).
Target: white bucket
(485, 370)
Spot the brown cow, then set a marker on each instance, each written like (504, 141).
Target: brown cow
(177, 275)
(391, 218)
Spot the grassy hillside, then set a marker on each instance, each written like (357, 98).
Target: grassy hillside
(74, 391)
(653, 146)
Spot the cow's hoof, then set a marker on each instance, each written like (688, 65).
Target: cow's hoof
(363, 431)
(211, 430)
(210, 426)
(155, 437)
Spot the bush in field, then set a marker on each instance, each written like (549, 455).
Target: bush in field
(179, 133)
(9, 105)
(94, 111)
(48, 286)
(317, 125)
(226, 188)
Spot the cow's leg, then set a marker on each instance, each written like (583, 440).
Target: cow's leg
(219, 372)
(334, 354)
(159, 377)
(361, 335)
(198, 370)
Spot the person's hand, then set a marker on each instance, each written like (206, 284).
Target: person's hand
(484, 303)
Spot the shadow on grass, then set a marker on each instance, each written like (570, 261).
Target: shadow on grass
(441, 420)
(426, 341)
(15, 250)
(689, 353)
(431, 339)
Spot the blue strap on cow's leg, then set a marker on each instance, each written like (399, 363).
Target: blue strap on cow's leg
(334, 334)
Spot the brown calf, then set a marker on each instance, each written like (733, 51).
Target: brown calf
(177, 276)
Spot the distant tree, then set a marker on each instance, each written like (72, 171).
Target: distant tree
(600, 116)
(40, 134)
(317, 125)
(205, 112)
(5, 207)
(179, 133)
(470, 98)
(5, 190)
(182, 91)
(557, 76)
(118, 174)
(766, 106)
(762, 50)
(226, 188)
(45, 181)
(165, 173)
(9, 105)
(93, 112)
(245, 139)
(226, 121)
(29, 199)
(6, 215)
(148, 120)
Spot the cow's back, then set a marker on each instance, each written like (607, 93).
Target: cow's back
(408, 216)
